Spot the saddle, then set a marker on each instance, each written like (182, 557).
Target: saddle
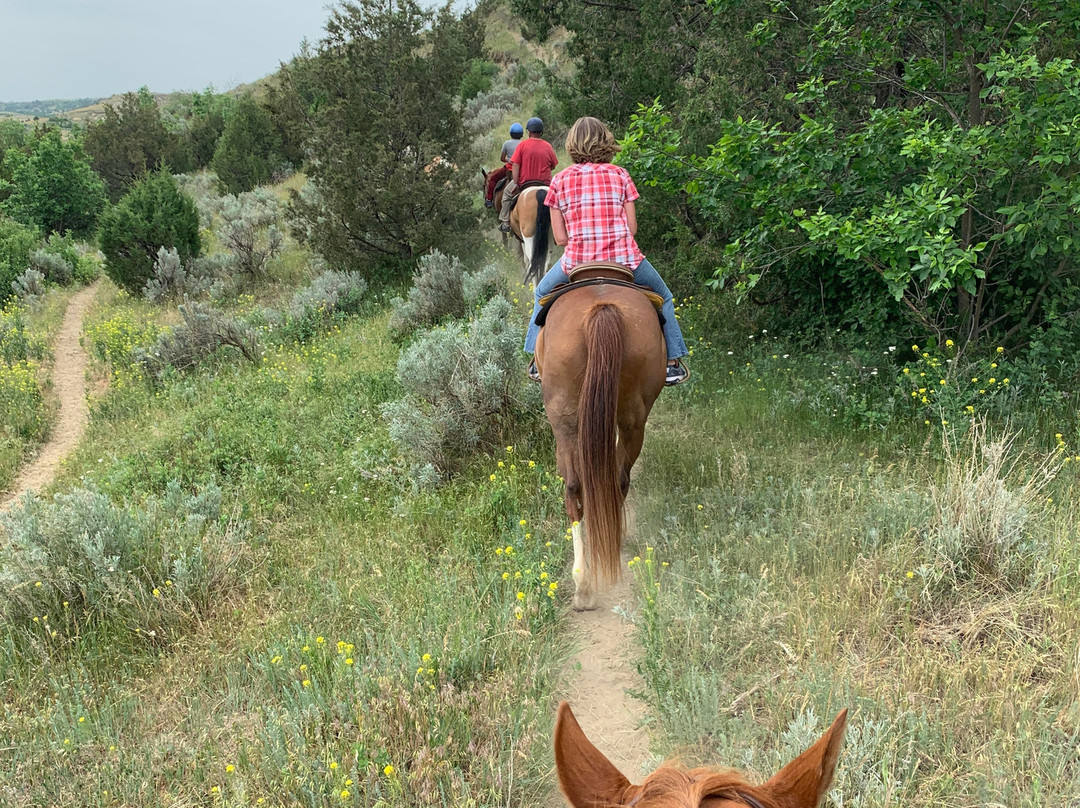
(522, 187)
(624, 276)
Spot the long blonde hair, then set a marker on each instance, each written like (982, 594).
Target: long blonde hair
(590, 141)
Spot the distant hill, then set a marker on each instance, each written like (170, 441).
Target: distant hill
(43, 109)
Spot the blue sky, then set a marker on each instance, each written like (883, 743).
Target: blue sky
(80, 48)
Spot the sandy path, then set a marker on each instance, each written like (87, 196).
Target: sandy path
(69, 382)
(600, 675)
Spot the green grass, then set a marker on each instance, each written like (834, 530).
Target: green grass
(311, 671)
(794, 564)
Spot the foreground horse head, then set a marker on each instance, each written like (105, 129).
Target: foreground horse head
(601, 355)
(590, 780)
(530, 221)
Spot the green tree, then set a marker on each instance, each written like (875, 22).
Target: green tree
(931, 171)
(129, 141)
(387, 156)
(54, 188)
(209, 111)
(155, 213)
(249, 148)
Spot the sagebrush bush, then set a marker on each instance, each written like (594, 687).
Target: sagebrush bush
(441, 289)
(204, 332)
(53, 268)
(465, 390)
(82, 561)
(173, 280)
(203, 188)
(29, 286)
(248, 229)
(155, 213)
(331, 293)
(487, 109)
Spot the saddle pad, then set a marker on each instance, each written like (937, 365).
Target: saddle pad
(562, 289)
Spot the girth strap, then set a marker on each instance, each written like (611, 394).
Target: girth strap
(562, 289)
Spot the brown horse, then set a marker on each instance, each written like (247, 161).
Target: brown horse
(590, 780)
(496, 197)
(601, 355)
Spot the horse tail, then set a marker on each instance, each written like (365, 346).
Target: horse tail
(538, 265)
(597, 429)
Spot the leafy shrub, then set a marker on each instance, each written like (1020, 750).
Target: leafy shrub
(478, 79)
(441, 289)
(22, 408)
(174, 281)
(465, 391)
(248, 229)
(17, 241)
(152, 568)
(29, 286)
(153, 214)
(204, 332)
(15, 343)
(54, 187)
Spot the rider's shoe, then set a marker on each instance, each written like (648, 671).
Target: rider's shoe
(504, 227)
(488, 203)
(677, 373)
(534, 372)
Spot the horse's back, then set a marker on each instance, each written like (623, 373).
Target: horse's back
(562, 347)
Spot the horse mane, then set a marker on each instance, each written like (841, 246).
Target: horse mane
(670, 787)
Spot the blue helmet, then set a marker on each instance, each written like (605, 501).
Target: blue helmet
(534, 125)
(516, 130)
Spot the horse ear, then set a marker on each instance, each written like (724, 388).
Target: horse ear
(805, 780)
(586, 777)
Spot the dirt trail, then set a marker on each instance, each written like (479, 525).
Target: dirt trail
(69, 382)
(600, 675)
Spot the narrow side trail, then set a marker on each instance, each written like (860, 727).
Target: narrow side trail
(69, 382)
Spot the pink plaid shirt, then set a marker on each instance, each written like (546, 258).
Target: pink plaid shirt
(591, 197)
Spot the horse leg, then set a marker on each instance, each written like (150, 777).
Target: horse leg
(566, 461)
(631, 437)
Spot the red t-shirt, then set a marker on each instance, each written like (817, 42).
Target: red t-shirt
(536, 158)
(591, 197)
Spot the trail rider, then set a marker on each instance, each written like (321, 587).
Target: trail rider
(593, 217)
(505, 156)
(532, 162)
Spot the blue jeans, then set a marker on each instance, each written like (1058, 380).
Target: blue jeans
(646, 275)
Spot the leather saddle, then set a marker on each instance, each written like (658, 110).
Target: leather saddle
(522, 187)
(598, 273)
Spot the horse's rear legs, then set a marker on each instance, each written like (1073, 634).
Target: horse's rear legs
(584, 576)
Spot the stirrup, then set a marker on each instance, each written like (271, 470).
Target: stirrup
(504, 227)
(676, 374)
(533, 371)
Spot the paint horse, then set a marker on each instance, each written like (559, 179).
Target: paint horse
(530, 222)
(589, 780)
(602, 359)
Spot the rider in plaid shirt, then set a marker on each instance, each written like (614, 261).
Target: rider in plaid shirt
(592, 215)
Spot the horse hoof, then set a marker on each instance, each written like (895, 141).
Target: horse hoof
(584, 604)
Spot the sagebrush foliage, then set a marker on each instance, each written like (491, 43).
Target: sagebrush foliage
(84, 561)
(442, 288)
(248, 227)
(204, 332)
(465, 391)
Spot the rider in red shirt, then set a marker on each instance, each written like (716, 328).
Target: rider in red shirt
(533, 160)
